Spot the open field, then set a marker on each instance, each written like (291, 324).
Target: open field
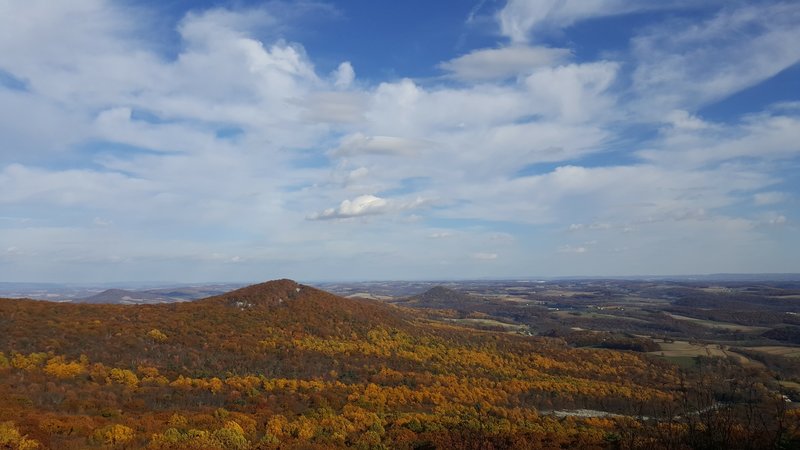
(719, 325)
(680, 351)
(370, 296)
(594, 315)
(791, 352)
(490, 323)
(508, 298)
(684, 348)
(790, 384)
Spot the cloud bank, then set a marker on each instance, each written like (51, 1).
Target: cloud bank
(122, 160)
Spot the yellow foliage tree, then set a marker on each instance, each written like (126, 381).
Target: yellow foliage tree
(157, 335)
(113, 435)
(30, 362)
(231, 436)
(215, 385)
(59, 368)
(277, 426)
(124, 377)
(10, 437)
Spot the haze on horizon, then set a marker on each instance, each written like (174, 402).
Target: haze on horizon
(324, 140)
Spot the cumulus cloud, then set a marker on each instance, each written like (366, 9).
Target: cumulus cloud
(589, 226)
(369, 205)
(572, 249)
(574, 91)
(363, 205)
(344, 75)
(440, 235)
(778, 219)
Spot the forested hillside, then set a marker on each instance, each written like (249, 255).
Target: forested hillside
(282, 365)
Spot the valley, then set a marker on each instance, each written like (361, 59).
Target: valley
(757, 323)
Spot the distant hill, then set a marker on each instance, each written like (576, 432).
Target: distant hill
(123, 296)
(153, 296)
(440, 297)
(114, 293)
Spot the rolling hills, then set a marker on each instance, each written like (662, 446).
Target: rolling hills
(284, 365)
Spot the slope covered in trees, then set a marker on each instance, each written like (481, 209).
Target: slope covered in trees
(282, 365)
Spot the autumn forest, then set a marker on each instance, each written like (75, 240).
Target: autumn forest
(284, 365)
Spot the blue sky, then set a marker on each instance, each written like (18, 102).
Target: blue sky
(245, 140)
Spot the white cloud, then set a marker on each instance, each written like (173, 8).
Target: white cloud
(100, 222)
(763, 136)
(440, 235)
(356, 174)
(21, 184)
(334, 107)
(484, 256)
(685, 64)
(363, 205)
(358, 143)
(499, 63)
(369, 205)
(680, 119)
(575, 91)
(769, 198)
(572, 249)
(344, 75)
(777, 220)
(590, 226)
(501, 237)
(520, 19)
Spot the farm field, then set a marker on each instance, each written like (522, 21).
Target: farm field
(720, 325)
(790, 352)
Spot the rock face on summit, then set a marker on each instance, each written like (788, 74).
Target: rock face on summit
(271, 293)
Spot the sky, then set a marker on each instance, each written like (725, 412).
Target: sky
(365, 140)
